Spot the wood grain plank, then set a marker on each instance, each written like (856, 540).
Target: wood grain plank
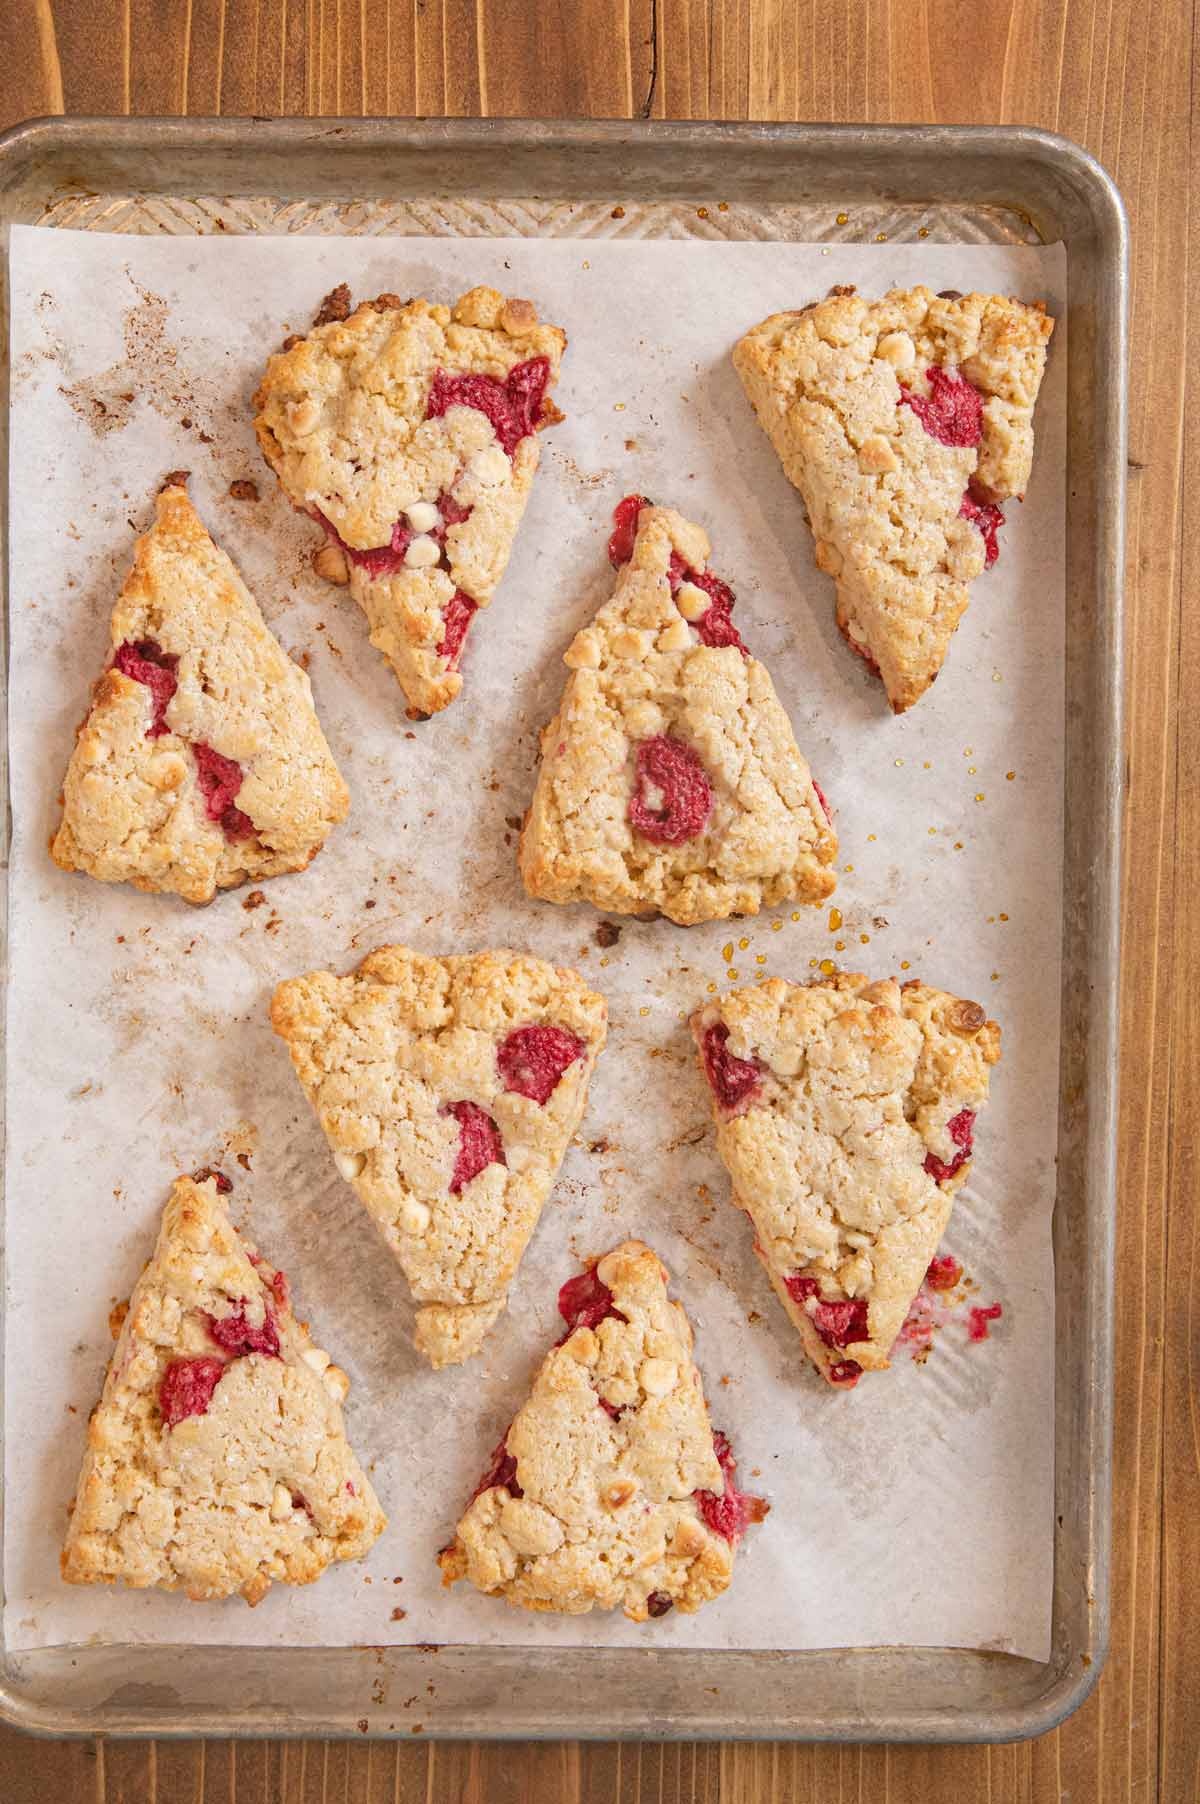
(1178, 1734)
(30, 66)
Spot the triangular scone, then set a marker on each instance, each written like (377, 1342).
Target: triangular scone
(448, 1089)
(201, 763)
(845, 1111)
(217, 1461)
(903, 423)
(610, 1487)
(670, 780)
(409, 431)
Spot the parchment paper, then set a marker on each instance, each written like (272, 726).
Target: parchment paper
(916, 1510)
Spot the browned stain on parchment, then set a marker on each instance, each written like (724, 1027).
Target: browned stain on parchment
(150, 371)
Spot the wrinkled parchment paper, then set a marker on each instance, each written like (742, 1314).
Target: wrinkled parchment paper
(916, 1510)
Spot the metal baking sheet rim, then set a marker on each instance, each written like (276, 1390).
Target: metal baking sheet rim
(902, 1694)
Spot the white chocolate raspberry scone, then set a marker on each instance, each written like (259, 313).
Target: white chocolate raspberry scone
(201, 763)
(670, 780)
(903, 422)
(217, 1461)
(409, 432)
(845, 1114)
(609, 1488)
(448, 1089)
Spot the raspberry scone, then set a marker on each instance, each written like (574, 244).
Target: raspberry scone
(845, 1113)
(904, 423)
(610, 1487)
(409, 432)
(201, 763)
(217, 1461)
(448, 1089)
(670, 780)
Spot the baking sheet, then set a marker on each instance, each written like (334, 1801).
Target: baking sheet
(918, 1511)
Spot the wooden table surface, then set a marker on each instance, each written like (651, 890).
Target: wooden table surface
(1117, 76)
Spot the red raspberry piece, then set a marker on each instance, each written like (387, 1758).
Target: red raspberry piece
(479, 1145)
(238, 1337)
(513, 406)
(980, 1316)
(730, 1514)
(715, 627)
(379, 560)
(735, 1082)
(823, 802)
(501, 1471)
(659, 1604)
(838, 1321)
(300, 1502)
(988, 518)
(961, 1129)
(672, 769)
(846, 1372)
(625, 519)
(585, 1302)
(457, 616)
(952, 412)
(532, 1059)
(220, 779)
(224, 1185)
(145, 661)
(187, 1387)
(610, 1409)
(861, 651)
(944, 1272)
(453, 513)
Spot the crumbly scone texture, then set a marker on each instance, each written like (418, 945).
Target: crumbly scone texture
(341, 419)
(384, 1056)
(133, 807)
(858, 1082)
(603, 1512)
(884, 496)
(641, 671)
(262, 1486)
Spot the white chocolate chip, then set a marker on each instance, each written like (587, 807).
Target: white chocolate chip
(675, 637)
(657, 1377)
(302, 416)
(692, 602)
(414, 1216)
(281, 1504)
(329, 562)
(316, 1357)
(583, 653)
(607, 1269)
(336, 1383)
(875, 455)
(166, 771)
(422, 553)
(489, 468)
(629, 642)
(643, 719)
(349, 1164)
(423, 516)
(897, 348)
